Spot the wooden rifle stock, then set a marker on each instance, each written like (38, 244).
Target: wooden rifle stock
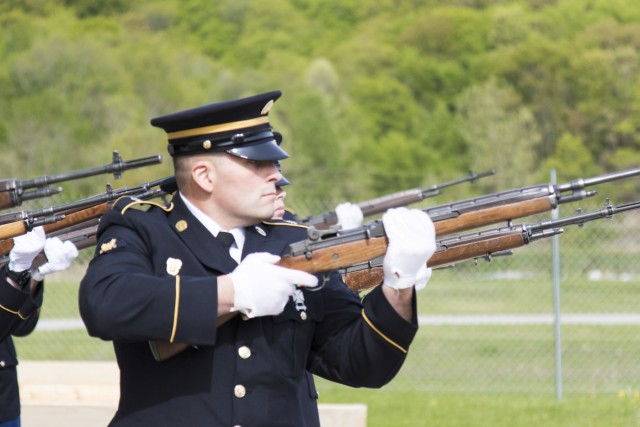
(62, 216)
(8, 231)
(5, 200)
(491, 215)
(369, 277)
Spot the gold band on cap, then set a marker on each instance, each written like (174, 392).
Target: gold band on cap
(224, 127)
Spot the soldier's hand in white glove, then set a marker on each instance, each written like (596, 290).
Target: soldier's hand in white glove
(25, 249)
(412, 241)
(262, 288)
(59, 256)
(349, 215)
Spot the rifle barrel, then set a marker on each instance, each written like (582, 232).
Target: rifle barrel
(471, 177)
(116, 167)
(394, 200)
(581, 183)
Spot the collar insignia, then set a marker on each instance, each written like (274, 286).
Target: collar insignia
(108, 246)
(173, 266)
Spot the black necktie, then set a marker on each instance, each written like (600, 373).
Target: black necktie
(225, 239)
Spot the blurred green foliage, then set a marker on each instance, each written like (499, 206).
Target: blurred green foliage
(378, 96)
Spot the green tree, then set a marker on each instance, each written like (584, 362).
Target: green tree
(571, 160)
(500, 132)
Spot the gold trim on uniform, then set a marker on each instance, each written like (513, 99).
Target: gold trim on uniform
(175, 310)
(9, 310)
(387, 339)
(224, 127)
(146, 202)
(181, 225)
(291, 224)
(16, 313)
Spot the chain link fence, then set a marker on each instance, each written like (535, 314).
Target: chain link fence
(485, 326)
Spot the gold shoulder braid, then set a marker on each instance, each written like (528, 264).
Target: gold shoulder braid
(133, 203)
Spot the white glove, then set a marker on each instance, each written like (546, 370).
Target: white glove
(262, 288)
(25, 249)
(349, 215)
(412, 241)
(59, 256)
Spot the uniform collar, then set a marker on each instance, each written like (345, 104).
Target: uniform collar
(212, 226)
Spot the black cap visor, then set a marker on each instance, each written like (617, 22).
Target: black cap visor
(262, 151)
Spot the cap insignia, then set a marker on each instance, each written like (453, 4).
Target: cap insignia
(206, 144)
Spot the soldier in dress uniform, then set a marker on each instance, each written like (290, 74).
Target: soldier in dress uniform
(253, 333)
(349, 214)
(280, 211)
(21, 296)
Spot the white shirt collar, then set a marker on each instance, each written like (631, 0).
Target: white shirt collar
(214, 228)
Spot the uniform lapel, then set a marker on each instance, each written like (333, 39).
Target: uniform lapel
(258, 239)
(198, 239)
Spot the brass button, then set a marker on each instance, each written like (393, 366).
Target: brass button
(244, 352)
(239, 391)
(244, 316)
(303, 315)
(2, 364)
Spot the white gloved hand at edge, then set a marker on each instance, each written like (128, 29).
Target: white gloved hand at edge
(411, 236)
(349, 215)
(59, 256)
(262, 288)
(25, 249)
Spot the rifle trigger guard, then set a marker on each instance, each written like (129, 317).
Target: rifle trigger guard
(325, 279)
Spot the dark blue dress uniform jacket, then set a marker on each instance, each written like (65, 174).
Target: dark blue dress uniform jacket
(18, 317)
(247, 372)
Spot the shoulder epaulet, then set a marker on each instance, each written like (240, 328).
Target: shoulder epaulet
(125, 203)
(284, 222)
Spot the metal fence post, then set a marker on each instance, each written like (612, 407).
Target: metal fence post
(555, 247)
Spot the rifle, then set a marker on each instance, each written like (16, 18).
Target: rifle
(402, 198)
(331, 249)
(62, 216)
(517, 203)
(358, 253)
(82, 235)
(358, 245)
(14, 191)
(326, 250)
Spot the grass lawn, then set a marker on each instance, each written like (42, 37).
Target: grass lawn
(474, 375)
(396, 407)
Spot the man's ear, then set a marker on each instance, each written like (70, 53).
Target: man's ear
(203, 174)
